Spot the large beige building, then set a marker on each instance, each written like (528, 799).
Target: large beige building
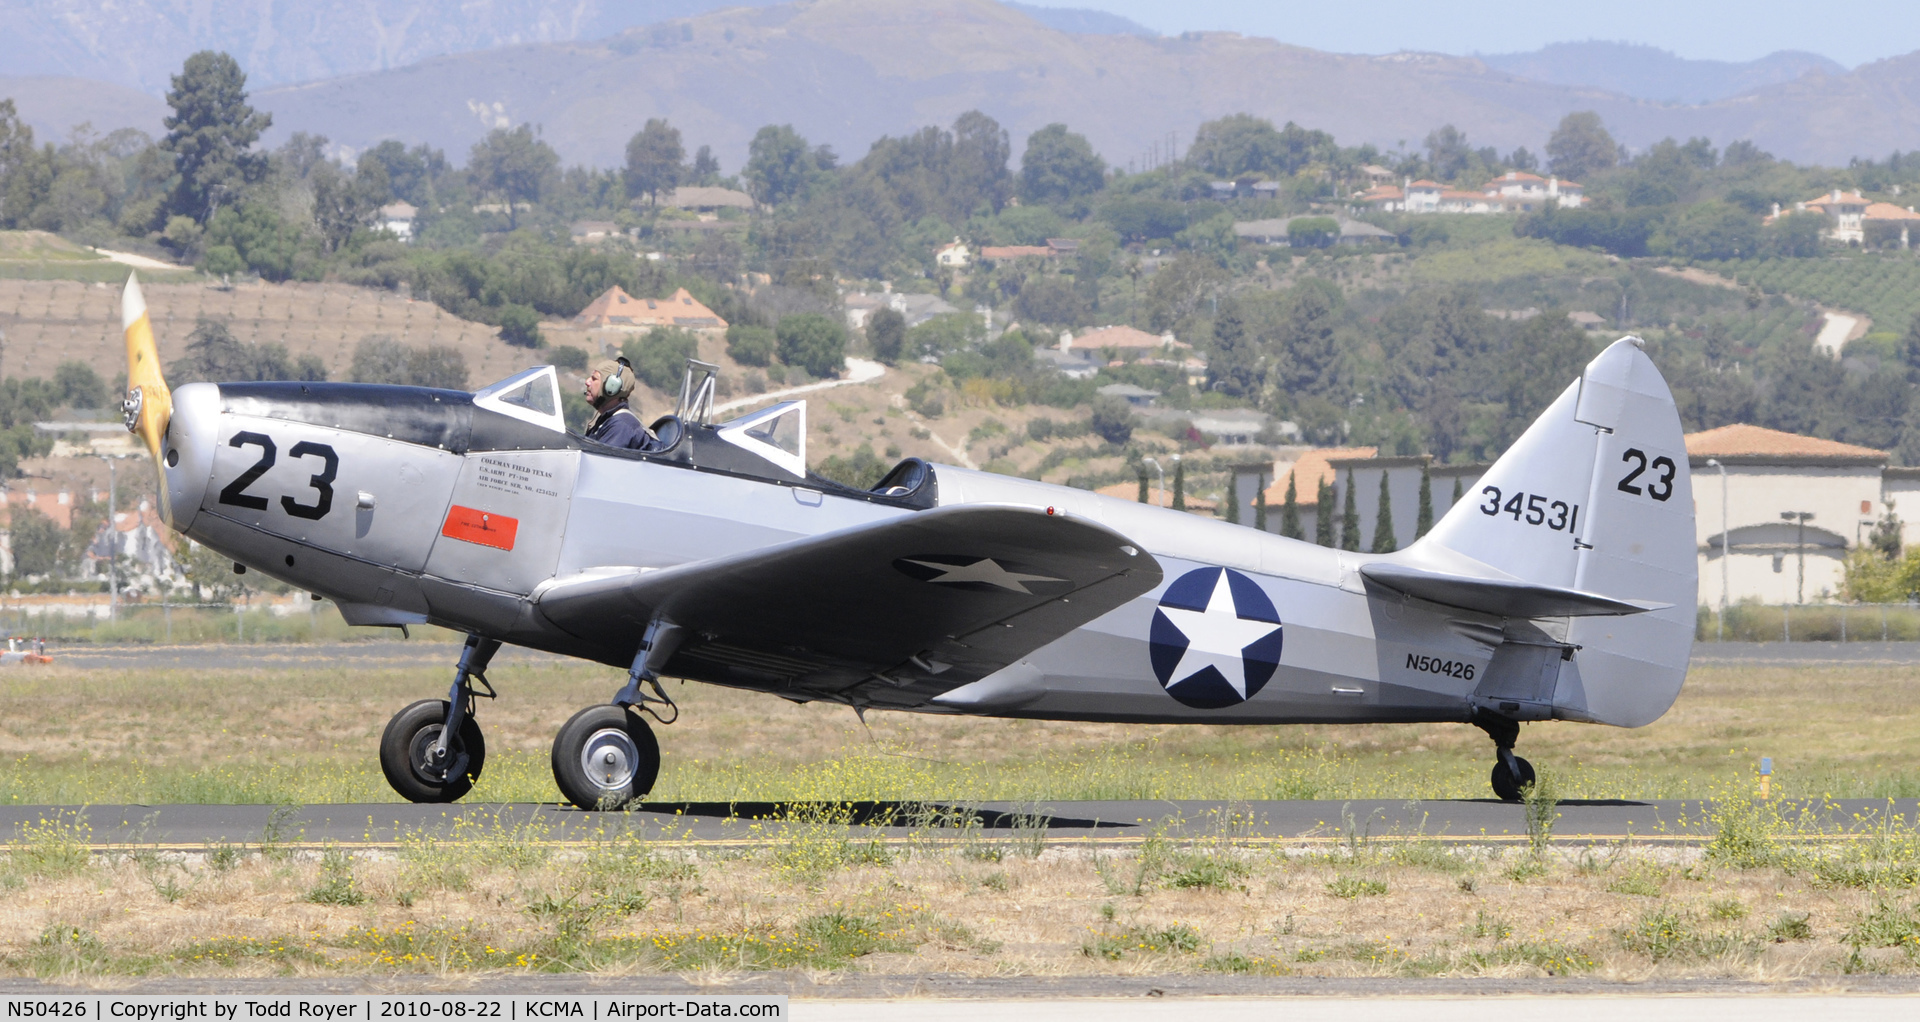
(1772, 479)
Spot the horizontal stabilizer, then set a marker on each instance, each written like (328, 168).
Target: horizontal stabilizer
(1507, 597)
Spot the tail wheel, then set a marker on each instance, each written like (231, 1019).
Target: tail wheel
(605, 758)
(1508, 785)
(408, 755)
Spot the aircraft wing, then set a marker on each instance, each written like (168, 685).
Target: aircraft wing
(904, 609)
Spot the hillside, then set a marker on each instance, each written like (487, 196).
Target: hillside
(847, 71)
(1648, 72)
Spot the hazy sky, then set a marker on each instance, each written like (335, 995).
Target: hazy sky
(1852, 32)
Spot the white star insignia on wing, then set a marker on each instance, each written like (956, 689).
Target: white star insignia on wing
(1216, 637)
(987, 570)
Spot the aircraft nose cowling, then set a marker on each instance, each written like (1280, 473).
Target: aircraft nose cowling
(187, 455)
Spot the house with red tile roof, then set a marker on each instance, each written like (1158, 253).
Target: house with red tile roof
(618, 310)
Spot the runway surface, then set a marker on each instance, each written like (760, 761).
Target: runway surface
(422, 653)
(194, 827)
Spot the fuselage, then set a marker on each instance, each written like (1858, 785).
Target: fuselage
(411, 506)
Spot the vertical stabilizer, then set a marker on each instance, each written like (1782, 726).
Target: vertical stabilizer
(1596, 497)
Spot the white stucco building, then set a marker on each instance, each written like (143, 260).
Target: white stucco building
(1771, 478)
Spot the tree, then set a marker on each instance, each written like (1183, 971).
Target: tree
(211, 134)
(1179, 486)
(1059, 166)
(978, 172)
(36, 542)
(1581, 145)
(1349, 517)
(520, 325)
(1448, 152)
(780, 167)
(1112, 419)
(214, 354)
(381, 359)
(814, 342)
(343, 204)
(1143, 486)
(1307, 357)
(706, 167)
(887, 334)
(1798, 234)
(1716, 230)
(751, 345)
(1290, 512)
(78, 385)
(660, 358)
(515, 165)
(1424, 524)
(1232, 498)
(1384, 541)
(1243, 144)
(1236, 366)
(1323, 513)
(655, 160)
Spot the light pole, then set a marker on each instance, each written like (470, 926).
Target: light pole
(1800, 551)
(1726, 550)
(1160, 498)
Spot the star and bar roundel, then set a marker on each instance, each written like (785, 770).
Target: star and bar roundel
(1215, 639)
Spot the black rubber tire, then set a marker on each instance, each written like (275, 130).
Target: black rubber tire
(1507, 787)
(415, 728)
(633, 780)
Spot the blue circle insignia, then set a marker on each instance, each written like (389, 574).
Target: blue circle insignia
(1215, 640)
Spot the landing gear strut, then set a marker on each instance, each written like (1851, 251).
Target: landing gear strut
(1511, 774)
(433, 751)
(606, 757)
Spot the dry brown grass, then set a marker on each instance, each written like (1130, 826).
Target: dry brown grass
(945, 905)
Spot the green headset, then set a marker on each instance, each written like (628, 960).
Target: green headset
(618, 384)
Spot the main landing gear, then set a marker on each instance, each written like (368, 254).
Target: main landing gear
(433, 751)
(605, 757)
(1512, 776)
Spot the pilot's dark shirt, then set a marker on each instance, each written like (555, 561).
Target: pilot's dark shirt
(618, 426)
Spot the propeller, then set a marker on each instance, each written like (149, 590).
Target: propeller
(149, 404)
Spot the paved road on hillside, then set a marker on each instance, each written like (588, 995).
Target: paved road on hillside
(195, 826)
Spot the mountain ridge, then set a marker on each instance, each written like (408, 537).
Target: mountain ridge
(845, 72)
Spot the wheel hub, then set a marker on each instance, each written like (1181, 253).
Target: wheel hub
(428, 761)
(609, 759)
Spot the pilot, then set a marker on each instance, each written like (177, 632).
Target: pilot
(616, 425)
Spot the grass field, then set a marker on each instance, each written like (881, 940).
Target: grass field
(815, 895)
(72, 736)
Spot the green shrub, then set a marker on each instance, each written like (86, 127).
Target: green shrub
(750, 345)
(813, 342)
(660, 358)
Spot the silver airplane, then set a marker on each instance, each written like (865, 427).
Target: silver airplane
(1562, 589)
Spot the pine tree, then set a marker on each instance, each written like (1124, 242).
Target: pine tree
(1384, 541)
(1323, 514)
(1349, 518)
(1233, 499)
(1425, 524)
(1260, 505)
(1143, 486)
(1179, 486)
(1457, 492)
